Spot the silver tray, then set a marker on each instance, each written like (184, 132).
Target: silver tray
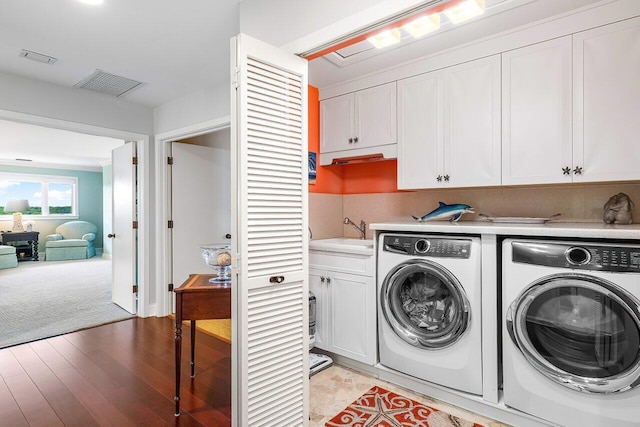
(517, 219)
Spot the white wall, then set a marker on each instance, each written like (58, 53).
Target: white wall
(38, 98)
(289, 24)
(194, 108)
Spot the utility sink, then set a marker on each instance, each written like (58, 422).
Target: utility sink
(343, 244)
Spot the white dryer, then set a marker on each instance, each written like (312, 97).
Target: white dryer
(429, 300)
(571, 340)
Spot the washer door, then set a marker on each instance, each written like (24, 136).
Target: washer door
(425, 304)
(580, 331)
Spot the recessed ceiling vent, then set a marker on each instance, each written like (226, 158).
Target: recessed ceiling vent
(107, 83)
(35, 56)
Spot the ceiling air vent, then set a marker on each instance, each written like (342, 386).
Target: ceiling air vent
(35, 56)
(110, 84)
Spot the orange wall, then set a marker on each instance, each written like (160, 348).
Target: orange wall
(361, 178)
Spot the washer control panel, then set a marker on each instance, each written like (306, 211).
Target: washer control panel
(427, 246)
(620, 258)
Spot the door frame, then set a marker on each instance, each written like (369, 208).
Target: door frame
(164, 305)
(145, 308)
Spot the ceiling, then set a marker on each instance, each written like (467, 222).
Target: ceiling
(175, 48)
(29, 145)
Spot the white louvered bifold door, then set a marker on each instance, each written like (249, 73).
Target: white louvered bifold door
(269, 210)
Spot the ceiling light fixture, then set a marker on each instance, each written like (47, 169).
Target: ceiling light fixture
(385, 38)
(465, 10)
(422, 25)
(92, 2)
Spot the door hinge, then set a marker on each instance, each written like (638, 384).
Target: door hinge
(236, 78)
(169, 160)
(170, 224)
(170, 287)
(135, 225)
(135, 289)
(134, 160)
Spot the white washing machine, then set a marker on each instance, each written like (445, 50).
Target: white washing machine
(571, 340)
(429, 301)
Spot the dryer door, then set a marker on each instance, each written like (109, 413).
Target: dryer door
(580, 331)
(425, 304)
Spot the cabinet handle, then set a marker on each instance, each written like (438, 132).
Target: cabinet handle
(350, 140)
(355, 139)
(328, 280)
(439, 178)
(577, 170)
(276, 279)
(111, 235)
(566, 170)
(446, 178)
(322, 279)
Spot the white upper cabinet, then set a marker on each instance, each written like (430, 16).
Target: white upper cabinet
(449, 127)
(352, 123)
(536, 114)
(421, 130)
(336, 123)
(606, 117)
(472, 123)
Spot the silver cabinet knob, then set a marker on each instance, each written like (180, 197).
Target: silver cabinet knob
(446, 178)
(439, 178)
(577, 170)
(566, 170)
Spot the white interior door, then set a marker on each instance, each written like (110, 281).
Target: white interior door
(124, 235)
(270, 298)
(201, 205)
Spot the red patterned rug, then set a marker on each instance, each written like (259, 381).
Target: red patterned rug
(383, 408)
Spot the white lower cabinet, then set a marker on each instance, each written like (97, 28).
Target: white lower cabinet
(345, 290)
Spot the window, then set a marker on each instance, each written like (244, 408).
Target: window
(48, 196)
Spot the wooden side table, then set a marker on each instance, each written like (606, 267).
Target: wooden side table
(197, 299)
(30, 251)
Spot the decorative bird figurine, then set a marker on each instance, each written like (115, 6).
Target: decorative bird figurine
(444, 210)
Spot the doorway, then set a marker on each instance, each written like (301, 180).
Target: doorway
(186, 219)
(141, 264)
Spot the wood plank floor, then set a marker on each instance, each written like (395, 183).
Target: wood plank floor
(121, 374)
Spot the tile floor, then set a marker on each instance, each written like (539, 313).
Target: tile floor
(335, 388)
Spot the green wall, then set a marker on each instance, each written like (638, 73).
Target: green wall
(89, 200)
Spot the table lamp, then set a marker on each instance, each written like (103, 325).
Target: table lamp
(17, 206)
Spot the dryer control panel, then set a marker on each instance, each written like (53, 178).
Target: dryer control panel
(428, 246)
(619, 258)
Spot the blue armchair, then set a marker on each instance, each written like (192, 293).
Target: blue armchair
(72, 240)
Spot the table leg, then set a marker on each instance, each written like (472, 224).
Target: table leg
(34, 250)
(178, 348)
(193, 348)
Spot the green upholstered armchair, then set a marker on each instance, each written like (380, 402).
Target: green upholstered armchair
(72, 240)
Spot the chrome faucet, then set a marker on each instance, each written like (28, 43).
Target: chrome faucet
(362, 229)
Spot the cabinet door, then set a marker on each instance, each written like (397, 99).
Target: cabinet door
(420, 131)
(375, 119)
(317, 286)
(472, 132)
(353, 321)
(607, 102)
(536, 113)
(336, 123)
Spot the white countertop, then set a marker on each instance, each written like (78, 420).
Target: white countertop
(550, 229)
(343, 245)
